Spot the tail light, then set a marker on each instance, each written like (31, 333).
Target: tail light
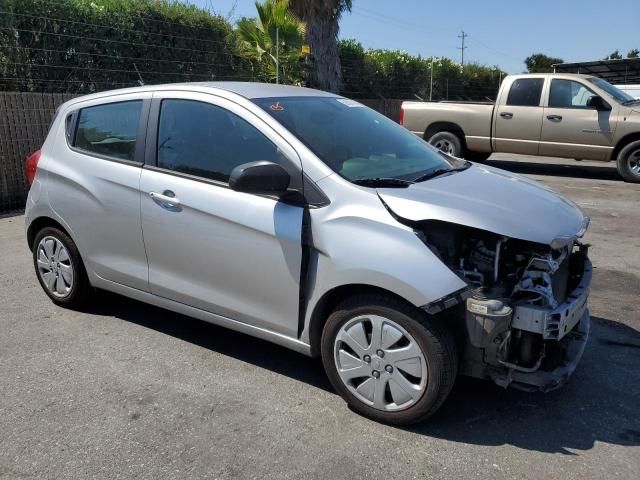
(401, 119)
(31, 165)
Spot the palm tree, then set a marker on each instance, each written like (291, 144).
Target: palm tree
(322, 17)
(258, 37)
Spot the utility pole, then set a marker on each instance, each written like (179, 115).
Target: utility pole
(277, 55)
(462, 36)
(431, 82)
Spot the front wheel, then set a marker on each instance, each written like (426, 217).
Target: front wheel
(628, 162)
(388, 360)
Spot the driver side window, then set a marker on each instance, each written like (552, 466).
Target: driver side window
(568, 94)
(208, 141)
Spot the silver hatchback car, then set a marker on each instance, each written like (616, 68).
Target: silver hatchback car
(311, 221)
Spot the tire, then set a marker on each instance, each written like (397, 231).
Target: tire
(628, 162)
(59, 268)
(477, 156)
(448, 142)
(387, 398)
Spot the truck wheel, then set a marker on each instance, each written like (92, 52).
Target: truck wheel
(477, 156)
(629, 162)
(448, 142)
(388, 360)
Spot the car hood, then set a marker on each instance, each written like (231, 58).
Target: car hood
(491, 199)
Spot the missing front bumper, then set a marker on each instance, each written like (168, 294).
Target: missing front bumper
(548, 380)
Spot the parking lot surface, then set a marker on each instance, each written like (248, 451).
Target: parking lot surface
(126, 390)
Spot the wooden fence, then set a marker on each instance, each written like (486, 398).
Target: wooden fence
(25, 120)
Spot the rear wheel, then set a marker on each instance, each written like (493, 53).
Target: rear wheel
(629, 162)
(59, 267)
(448, 142)
(388, 360)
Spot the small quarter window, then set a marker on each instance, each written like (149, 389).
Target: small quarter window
(109, 129)
(525, 92)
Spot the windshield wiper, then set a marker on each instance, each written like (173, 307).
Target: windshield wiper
(631, 102)
(382, 182)
(440, 171)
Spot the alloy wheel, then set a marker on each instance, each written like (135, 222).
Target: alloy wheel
(380, 363)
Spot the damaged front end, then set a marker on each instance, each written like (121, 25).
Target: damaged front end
(524, 317)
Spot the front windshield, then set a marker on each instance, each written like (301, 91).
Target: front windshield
(617, 94)
(354, 140)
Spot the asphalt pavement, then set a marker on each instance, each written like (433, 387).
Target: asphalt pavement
(126, 390)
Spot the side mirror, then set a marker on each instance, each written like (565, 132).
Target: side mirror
(598, 103)
(259, 177)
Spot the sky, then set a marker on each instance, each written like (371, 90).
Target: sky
(500, 32)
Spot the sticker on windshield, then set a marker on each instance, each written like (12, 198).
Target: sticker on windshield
(276, 107)
(349, 102)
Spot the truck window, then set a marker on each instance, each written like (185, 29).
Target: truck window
(568, 94)
(525, 92)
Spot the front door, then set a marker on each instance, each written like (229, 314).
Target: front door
(518, 117)
(572, 129)
(233, 254)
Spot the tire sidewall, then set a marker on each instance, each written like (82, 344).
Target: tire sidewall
(451, 137)
(623, 166)
(79, 276)
(429, 397)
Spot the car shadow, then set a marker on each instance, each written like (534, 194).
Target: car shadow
(243, 347)
(600, 403)
(574, 169)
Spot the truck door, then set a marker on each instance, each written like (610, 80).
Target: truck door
(571, 128)
(518, 119)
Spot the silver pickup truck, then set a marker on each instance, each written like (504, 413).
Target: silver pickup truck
(558, 115)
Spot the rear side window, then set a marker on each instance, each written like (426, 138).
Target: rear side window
(110, 129)
(525, 92)
(208, 141)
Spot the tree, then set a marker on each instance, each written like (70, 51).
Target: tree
(541, 63)
(633, 53)
(321, 18)
(258, 37)
(614, 56)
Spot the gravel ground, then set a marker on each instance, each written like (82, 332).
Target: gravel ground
(126, 390)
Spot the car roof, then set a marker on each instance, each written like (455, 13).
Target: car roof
(249, 90)
(266, 90)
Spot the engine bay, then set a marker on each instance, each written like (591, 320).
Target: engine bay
(510, 314)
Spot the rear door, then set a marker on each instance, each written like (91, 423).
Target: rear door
(572, 129)
(93, 184)
(518, 117)
(233, 254)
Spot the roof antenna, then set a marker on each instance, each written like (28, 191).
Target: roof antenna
(140, 81)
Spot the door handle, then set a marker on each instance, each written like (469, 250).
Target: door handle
(165, 199)
(555, 118)
(506, 115)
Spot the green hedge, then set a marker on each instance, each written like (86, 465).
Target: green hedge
(86, 45)
(371, 73)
